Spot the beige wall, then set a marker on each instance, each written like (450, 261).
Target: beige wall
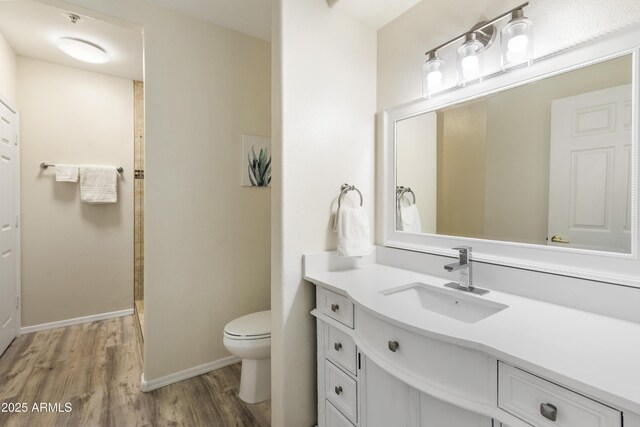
(77, 258)
(461, 170)
(7, 71)
(323, 122)
(417, 152)
(206, 238)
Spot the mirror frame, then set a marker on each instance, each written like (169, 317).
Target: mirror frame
(610, 267)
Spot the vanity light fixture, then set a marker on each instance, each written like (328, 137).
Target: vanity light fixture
(517, 48)
(432, 73)
(516, 40)
(83, 50)
(469, 60)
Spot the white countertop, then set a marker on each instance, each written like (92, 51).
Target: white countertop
(590, 353)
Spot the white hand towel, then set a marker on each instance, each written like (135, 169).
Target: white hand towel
(66, 173)
(398, 219)
(410, 219)
(98, 184)
(353, 232)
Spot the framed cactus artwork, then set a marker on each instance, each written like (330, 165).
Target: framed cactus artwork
(256, 161)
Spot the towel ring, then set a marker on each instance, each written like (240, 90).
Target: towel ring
(401, 191)
(344, 189)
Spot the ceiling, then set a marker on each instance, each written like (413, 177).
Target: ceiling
(253, 17)
(376, 13)
(31, 28)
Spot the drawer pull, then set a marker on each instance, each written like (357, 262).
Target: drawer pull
(335, 307)
(393, 345)
(549, 411)
(338, 390)
(337, 346)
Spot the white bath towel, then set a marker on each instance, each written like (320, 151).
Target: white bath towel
(98, 184)
(66, 173)
(410, 219)
(354, 237)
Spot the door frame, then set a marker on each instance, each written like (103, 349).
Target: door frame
(18, 257)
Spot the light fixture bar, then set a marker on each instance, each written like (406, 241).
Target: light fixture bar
(484, 25)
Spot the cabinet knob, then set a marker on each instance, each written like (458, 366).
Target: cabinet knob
(549, 411)
(335, 307)
(337, 346)
(338, 390)
(393, 345)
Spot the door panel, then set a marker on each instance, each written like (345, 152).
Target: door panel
(8, 225)
(385, 398)
(589, 175)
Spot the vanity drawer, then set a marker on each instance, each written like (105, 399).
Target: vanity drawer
(333, 417)
(449, 367)
(340, 348)
(527, 397)
(334, 306)
(341, 390)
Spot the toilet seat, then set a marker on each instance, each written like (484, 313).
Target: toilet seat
(253, 326)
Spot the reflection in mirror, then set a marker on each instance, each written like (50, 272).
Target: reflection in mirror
(544, 163)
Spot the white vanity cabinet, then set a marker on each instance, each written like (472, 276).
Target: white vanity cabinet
(373, 372)
(544, 403)
(387, 401)
(353, 390)
(339, 362)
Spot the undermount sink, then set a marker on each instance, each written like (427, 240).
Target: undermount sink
(453, 304)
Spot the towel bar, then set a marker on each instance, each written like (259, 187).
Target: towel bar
(44, 165)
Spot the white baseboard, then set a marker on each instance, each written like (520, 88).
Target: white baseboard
(75, 321)
(187, 373)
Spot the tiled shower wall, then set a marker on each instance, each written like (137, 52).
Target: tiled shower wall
(138, 215)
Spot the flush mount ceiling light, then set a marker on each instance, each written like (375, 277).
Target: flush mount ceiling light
(517, 48)
(83, 50)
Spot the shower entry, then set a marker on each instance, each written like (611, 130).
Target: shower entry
(138, 204)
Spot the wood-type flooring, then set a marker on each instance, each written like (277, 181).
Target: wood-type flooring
(89, 375)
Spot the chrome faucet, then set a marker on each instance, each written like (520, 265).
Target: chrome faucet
(464, 267)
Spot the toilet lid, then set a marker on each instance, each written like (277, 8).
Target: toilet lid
(252, 325)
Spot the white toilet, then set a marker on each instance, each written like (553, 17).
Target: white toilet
(249, 337)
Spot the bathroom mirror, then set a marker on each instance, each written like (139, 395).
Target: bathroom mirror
(534, 168)
(545, 163)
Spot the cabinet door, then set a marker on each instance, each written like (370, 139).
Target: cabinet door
(436, 413)
(385, 399)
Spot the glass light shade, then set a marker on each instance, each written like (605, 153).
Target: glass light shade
(516, 39)
(469, 60)
(83, 50)
(432, 74)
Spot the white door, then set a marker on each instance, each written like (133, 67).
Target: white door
(8, 226)
(590, 173)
